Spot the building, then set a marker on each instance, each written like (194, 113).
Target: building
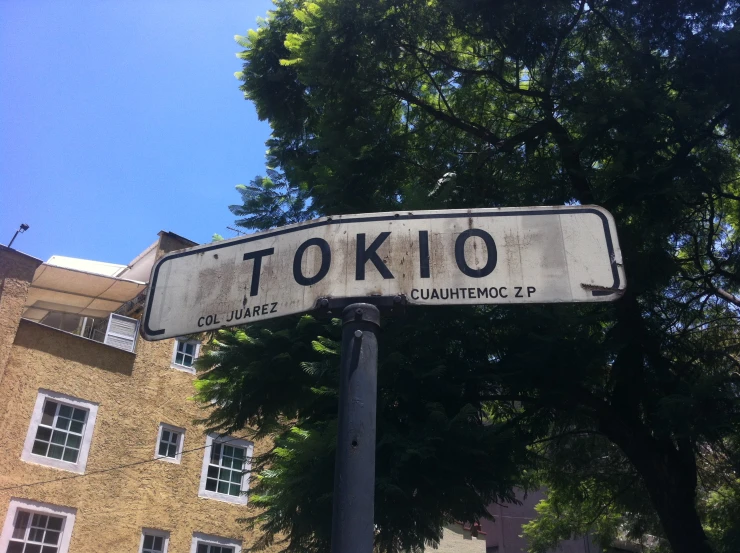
(99, 448)
(503, 534)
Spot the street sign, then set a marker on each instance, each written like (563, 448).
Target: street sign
(478, 256)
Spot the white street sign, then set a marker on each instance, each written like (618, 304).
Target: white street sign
(480, 256)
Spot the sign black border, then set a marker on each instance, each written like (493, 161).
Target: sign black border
(505, 212)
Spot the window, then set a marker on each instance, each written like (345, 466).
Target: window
(154, 541)
(60, 431)
(185, 354)
(204, 543)
(33, 527)
(169, 443)
(225, 472)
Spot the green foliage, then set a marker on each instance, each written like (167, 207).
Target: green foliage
(627, 412)
(269, 201)
(723, 517)
(559, 519)
(280, 378)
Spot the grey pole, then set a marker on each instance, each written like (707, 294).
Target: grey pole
(354, 474)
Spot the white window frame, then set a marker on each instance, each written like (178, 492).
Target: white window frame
(178, 455)
(16, 504)
(242, 498)
(165, 535)
(214, 540)
(183, 368)
(38, 410)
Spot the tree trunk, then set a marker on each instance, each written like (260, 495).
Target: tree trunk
(669, 474)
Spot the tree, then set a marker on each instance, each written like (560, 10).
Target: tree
(629, 412)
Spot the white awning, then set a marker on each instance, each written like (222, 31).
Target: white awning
(83, 293)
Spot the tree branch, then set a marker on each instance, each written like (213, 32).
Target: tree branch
(571, 159)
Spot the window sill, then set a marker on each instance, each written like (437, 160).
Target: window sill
(224, 498)
(48, 462)
(174, 461)
(182, 368)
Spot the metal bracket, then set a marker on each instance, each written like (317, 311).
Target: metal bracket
(395, 305)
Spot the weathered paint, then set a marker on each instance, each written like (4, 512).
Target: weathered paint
(508, 255)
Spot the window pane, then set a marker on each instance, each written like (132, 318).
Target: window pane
(210, 485)
(236, 476)
(49, 549)
(226, 462)
(73, 441)
(15, 547)
(235, 489)
(43, 433)
(202, 548)
(39, 520)
(51, 537)
(55, 451)
(36, 534)
(58, 437)
(239, 453)
(162, 449)
(228, 450)
(236, 464)
(215, 453)
(39, 448)
(79, 415)
(223, 487)
(50, 409)
(187, 360)
(158, 543)
(148, 542)
(70, 455)
(62, 423)
(65, 411)
(212, 472)
(178, 359)
(31, 548)
(55, 523)
(76, 427)
(172, 451)
(21, 523)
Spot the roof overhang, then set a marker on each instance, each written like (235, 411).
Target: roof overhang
(79, 292)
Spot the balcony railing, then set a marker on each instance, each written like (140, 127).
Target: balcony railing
(115, 330)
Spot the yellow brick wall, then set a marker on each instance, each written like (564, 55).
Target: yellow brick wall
(135, 393)
(16, 274)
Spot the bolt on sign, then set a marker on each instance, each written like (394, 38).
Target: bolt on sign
(454, 257)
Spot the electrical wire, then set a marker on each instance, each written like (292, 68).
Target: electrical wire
(111, 469)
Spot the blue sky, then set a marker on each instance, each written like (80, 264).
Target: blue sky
(121, 119)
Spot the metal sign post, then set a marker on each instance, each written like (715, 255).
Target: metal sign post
(354, 471)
